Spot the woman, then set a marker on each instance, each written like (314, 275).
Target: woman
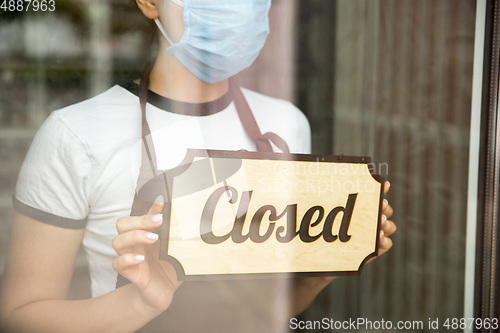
(86, 164)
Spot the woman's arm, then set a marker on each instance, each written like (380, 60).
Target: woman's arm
(36, 282)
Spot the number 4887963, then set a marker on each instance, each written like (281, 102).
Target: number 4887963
(28, 5)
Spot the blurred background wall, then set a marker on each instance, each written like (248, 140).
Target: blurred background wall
(392, 79)
(386, 78)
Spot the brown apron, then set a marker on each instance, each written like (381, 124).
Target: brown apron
(252, 305)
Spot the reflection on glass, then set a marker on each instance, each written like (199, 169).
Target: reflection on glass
(385, 78)
(400, 88)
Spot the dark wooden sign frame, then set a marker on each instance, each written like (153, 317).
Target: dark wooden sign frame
(263, 156)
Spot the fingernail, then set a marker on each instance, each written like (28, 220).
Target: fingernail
(384, 218)
(139, 257)
(386, 202)
(157, 218)
(388, 184)
(159, 199)
(151, 236)
(382, 234)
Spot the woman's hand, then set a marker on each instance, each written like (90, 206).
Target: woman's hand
(138, 250)
(388, 227)
(306, 289)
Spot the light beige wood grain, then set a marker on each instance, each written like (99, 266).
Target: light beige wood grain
(279, 183)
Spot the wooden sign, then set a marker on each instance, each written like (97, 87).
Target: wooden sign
(241, 213)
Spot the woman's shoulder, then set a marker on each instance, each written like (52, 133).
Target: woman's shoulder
(115, 99)
(263, 101)
(110, 117)
(110, 110)
(274, 108)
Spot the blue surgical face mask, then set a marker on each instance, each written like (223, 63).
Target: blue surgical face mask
(221, 37)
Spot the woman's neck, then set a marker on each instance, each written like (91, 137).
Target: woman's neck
(169, 78)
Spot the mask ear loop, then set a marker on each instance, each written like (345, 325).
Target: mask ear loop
(179, 2)
(164, 33)
(160, 26)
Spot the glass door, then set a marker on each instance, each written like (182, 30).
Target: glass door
(402, 81)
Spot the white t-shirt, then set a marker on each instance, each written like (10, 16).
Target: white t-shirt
(82, 168)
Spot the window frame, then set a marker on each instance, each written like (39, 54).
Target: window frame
(484, 169)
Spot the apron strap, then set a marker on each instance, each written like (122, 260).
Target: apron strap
(262, 141)
(149, 169)
(147, 144)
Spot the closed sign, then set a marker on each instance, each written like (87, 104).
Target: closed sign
(241, 213)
